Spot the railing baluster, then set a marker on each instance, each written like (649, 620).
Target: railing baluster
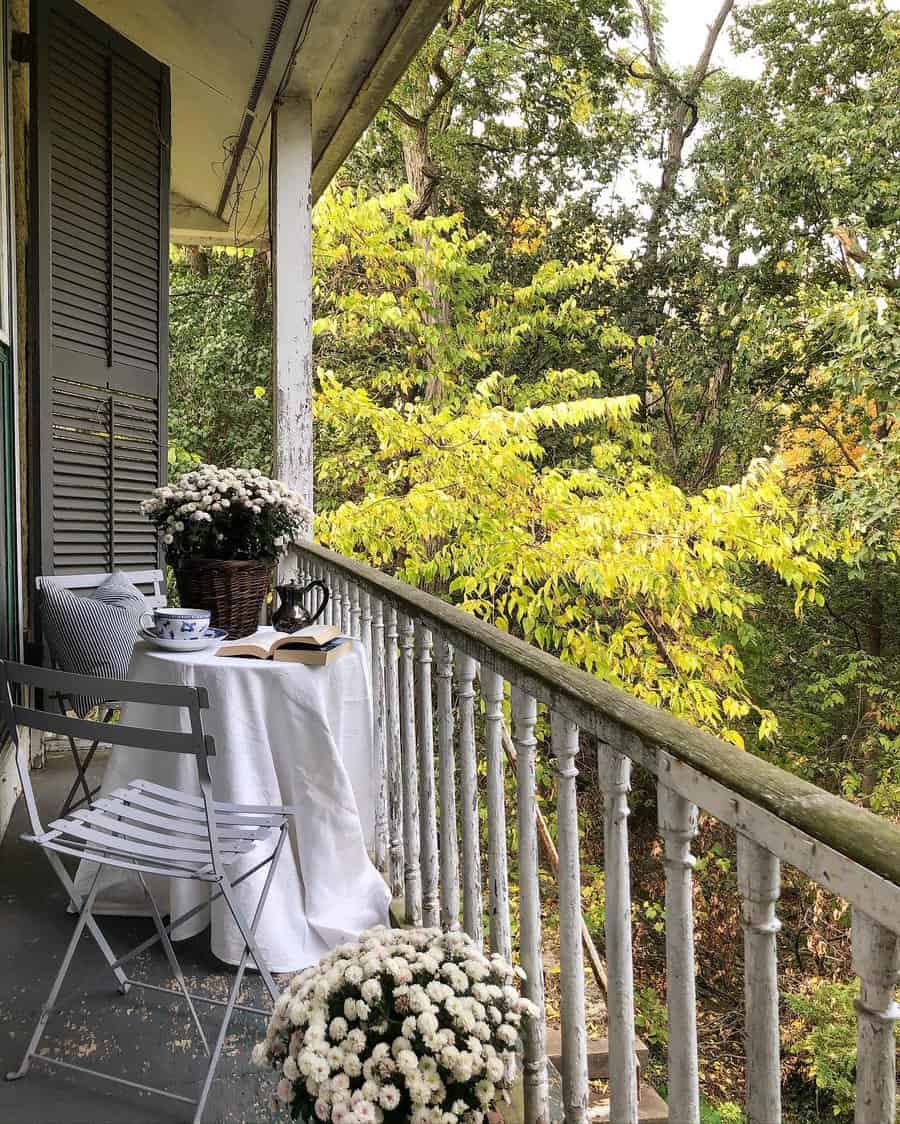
(449, 849)
(365, 621)
(468, 798)
(876, 960)
(345, 607)
(379, 722)
(758, 873)
(427, 803)
(412, 874)
(564, 737)
(678, 827)
(534, 1080)
(334, 605)
(615, 780)
(492, 693)
(355, 612)
(394, 783)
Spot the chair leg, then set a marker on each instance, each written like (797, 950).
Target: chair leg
(81, 767)
(47, 1009)
(247, 932)
(173, 960)
(69, 886)
(249, 945)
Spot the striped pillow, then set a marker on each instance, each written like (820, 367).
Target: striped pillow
(93, 634)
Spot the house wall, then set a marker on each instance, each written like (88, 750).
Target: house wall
(18, 12)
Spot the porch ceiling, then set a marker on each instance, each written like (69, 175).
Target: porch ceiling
(345, 55)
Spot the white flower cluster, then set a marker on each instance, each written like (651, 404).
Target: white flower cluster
(211, 495)
(413, 1025)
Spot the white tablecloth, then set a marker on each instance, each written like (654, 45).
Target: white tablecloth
(285, 734)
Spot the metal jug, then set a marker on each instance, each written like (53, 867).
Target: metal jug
(292, 615)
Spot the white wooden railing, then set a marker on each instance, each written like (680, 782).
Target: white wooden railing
(430, 661)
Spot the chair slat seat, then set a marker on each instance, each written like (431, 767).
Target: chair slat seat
(141, 815)
(222, 806)
(136, 794)
(181, 847)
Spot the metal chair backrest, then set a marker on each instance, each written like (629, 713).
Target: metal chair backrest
(13, 715)
(152, 583)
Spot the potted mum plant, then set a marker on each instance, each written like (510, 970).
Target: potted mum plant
(403, 1026)
(223, 530)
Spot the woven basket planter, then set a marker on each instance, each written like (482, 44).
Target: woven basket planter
(232, 591)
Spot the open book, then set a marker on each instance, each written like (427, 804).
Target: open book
(316, 646)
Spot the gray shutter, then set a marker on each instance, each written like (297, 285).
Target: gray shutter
(101, 219)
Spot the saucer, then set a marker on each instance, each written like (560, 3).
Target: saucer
(193, 644)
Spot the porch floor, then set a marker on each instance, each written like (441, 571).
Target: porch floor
(145, 1037)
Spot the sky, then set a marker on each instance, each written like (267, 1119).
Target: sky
(686, 25)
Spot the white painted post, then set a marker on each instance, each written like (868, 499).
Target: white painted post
(335, 583)
(876, 960)
(365, 621)
(355, 612)
(678, 827)
(534, 1078)
(468, 798)
(449, 849)
(427, 801)
(394, 784)
(379, 705)
(345, 606)
(564, 739)
(758, 873)
(412, 874)
(292, 298)
(615, 780)
(492, 693)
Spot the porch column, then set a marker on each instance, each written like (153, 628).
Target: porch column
(292, 295)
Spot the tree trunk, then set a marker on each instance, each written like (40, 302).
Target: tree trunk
(423, 176)
(198, 256)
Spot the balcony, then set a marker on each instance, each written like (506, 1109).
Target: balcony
(465, 716)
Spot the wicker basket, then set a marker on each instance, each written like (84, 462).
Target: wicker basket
(232, 591)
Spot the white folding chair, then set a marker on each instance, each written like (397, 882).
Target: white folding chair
(155, 597)
(148, 829)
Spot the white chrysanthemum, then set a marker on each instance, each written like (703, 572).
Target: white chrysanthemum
(389, 1097)
(484, 1091)
(371, 991)
(407, 1062)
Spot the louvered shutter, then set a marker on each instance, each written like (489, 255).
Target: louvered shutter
(102, 184)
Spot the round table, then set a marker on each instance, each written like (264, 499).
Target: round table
(285, 733)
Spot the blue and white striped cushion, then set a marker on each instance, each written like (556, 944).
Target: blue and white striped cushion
(94, 634)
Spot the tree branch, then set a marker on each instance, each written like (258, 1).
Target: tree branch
(714, 30)
(403, 116)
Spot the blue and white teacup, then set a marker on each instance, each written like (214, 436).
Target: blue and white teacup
(176, 624)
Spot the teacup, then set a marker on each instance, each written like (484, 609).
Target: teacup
(176, 624)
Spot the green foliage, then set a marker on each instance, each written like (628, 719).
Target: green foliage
(651, 1017)
(823, 1036)
(220, 354)
(535, 504)
(725, 1113)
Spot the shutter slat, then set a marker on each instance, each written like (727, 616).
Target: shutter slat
(103, 108)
